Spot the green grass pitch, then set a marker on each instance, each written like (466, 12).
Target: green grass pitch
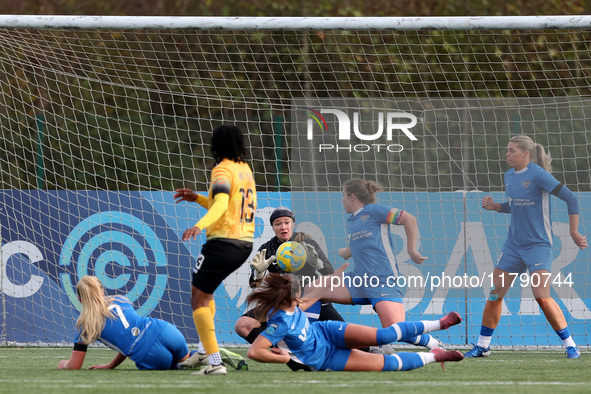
(34, 370)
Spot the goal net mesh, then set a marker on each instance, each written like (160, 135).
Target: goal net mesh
(99, 126)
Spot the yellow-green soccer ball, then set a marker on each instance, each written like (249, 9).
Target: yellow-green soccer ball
(291, 256)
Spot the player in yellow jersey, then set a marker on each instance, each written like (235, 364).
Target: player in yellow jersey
(229, 226)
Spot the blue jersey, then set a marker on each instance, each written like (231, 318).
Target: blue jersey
(128, 333)
(528, 195)
(369, 237)
(307, 343)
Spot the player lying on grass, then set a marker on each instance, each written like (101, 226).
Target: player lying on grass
(333, 345)
(150, 343)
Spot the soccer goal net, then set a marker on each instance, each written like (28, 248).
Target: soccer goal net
(101, 118)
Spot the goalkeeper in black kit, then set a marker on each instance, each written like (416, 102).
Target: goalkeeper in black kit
(283, 222)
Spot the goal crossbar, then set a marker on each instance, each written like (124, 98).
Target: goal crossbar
(296, 23)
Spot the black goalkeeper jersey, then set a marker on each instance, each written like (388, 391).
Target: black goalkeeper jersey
(307, 270)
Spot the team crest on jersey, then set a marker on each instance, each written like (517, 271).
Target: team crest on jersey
(271, 329)
(526, 184)
(364, 218)
(135, 331)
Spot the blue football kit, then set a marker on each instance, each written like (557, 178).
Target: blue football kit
(369, 237)
(151, 343)
(320, 345)
(529, 241)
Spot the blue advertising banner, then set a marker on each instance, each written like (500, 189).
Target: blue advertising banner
(131, 241)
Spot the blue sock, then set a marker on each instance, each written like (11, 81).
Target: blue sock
(421, 340)
(408, 332)
(403, 361)
(485, 337)
(486, 332)
(564, 333)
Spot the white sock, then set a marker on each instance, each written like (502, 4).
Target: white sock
(433, 343)
(427, 357)
(568, 342)
(483, 341)
(200, 348)
(431, 325)
(214, 358)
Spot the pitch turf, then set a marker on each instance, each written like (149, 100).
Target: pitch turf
(34, 370)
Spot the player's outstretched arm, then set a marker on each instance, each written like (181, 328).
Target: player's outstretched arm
(312, 257)
(260, 263)
(412, 235)
(345, 253)
(214, 213)
(580, 240)
(190, 196)
(119, 358)
(185, 195)
(75, 361)
(317, 289)
(489, 204)
(566, 195)
(262, 350)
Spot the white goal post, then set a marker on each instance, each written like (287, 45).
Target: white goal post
(296, 23)
(102, 117)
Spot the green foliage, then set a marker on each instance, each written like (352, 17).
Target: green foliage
(296, 8)
(118, 111)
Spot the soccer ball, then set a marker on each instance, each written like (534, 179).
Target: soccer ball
(291, 256)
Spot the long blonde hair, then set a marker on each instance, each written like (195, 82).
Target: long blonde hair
(536, 151)
(95, 308)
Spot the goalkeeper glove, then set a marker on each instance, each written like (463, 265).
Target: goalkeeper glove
(260, 264)
(313, 259)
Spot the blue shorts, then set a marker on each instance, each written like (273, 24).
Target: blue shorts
(517, 260)
(337, 354)
(371, 294)
(168, 349)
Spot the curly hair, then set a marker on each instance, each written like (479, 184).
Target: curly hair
(227, 142)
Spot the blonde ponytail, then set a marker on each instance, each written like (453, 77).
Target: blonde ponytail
(95, 308)
(536, 151)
